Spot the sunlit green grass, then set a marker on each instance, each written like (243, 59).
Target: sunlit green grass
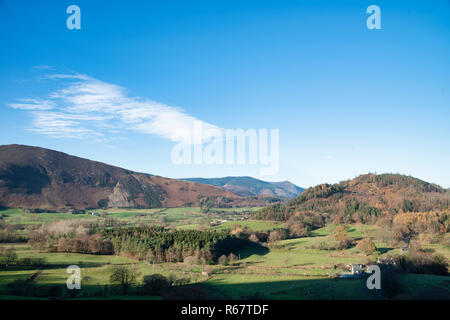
(256, 225)
(185, 217)
(18, 216)
(95, 269)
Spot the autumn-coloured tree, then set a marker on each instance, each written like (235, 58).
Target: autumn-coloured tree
(367, 246)
(253, 238)
(76, 246)
(232, 258)
(236, 229)
(418, 222)
(223, 260)
(339, 233)
(297, 230)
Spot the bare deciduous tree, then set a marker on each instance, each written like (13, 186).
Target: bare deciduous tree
(125, 276)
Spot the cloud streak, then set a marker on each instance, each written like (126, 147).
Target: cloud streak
(33, 104)
(84, 107)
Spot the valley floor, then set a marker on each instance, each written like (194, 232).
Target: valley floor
(290, 269)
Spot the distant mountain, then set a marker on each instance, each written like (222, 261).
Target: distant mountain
(364, 197)
(248, 186)
(33, 177)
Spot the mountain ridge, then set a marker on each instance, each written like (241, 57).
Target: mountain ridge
(35, 177)
(249, 186)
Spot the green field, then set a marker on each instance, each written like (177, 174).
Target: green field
(187, 217)
(288, 269)
(18, 216)
(256, 225)
(95, 270)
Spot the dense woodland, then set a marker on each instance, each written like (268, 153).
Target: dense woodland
(157, 244)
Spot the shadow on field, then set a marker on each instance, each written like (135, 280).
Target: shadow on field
(307, 289)
(384, 250)
(219, 289)
(60, 292)
(52, 266)
(302, 264)
(325, 289)
(255, 249)
(291, 245)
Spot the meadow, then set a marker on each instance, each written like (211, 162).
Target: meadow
(287, 269)
(187, 217)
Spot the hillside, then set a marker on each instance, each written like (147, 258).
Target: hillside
(38, 178)
(248, 186)
(363, 198)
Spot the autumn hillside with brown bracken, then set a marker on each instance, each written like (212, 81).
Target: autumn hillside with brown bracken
(38, 178)
(363, 199)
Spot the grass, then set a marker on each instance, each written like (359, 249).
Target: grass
(18, 216)
(283, 287)
(291, 269)
(256, 225)
(186, 217)
(356, 231)
(95, 269)
(298, 253)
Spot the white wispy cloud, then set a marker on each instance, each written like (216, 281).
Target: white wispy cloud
(33, 104)
(84, 107)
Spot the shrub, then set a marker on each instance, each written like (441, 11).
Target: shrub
(278, 234)
(154, 283)
(181, 281)
(418, 261)
(323, 245)
(346, 243)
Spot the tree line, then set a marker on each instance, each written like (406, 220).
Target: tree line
(158, 244)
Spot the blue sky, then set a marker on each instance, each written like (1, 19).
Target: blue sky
(346, 100)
